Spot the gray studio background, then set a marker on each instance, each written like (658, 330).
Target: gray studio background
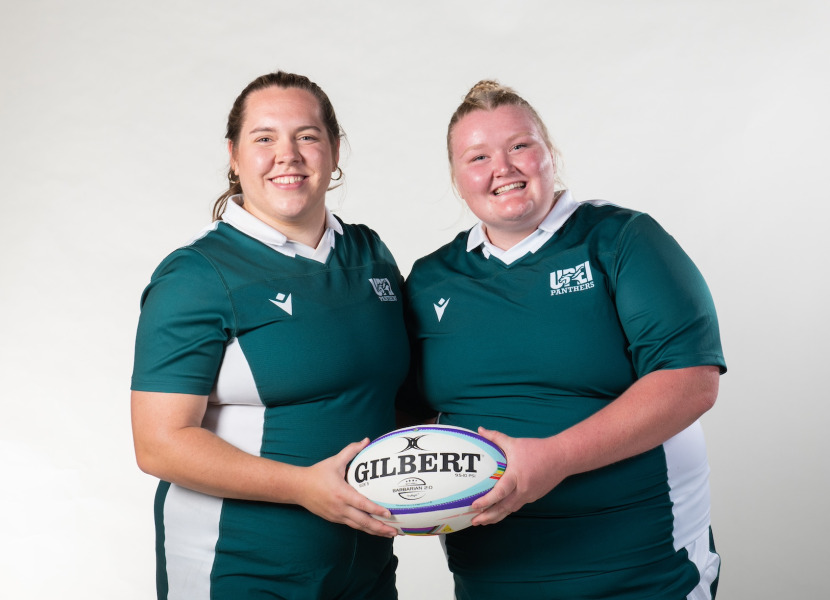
(711, 115)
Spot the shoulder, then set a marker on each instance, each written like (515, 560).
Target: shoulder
(194, 266)
(607, 228)
(594, 214)
(436, 266)
(444, 256)
(363, 239)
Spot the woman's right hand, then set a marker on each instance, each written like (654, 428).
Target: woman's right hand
(172, 445)
(322, 489)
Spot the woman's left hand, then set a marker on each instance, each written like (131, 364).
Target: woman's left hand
(532, 471)
(656, 407)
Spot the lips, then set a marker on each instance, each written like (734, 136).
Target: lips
(510, 186)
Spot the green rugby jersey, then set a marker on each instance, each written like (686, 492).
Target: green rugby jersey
(299, 358)
(531, 348)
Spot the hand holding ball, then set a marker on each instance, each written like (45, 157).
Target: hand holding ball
(427, 476)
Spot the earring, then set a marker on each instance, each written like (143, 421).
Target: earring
(339, 174)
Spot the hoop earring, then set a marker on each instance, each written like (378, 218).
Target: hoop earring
(339, 174)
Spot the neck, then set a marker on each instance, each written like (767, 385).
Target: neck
(308, 234)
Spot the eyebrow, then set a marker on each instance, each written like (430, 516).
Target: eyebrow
(266, 129)
(511, 139)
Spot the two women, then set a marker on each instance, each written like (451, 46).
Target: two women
(578, 336)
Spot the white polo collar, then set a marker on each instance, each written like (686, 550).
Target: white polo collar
(242, 220)
(562, 209)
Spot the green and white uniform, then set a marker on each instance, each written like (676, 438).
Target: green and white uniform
(301, 352)
(536, 341)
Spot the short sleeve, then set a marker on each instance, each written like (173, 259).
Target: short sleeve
(663, 302)
(186, 320)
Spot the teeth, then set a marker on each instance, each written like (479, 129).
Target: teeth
(507, 188)
(288, 179)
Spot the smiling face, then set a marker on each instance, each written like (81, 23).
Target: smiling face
(504, 171)
(284, 159)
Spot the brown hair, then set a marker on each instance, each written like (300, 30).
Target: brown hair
(489, 95)
(237, 116)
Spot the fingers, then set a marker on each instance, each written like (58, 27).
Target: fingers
(497, 504)
(362, 503)
(363, 522)
(500, 491)
(357, 508)
(492, 515)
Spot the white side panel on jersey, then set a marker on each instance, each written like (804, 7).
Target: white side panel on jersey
(191, 520)
(688, 478)
(235, 411)
(191, 528)
(708, 565)
(235, 382)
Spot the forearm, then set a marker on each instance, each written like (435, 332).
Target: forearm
(171, 444)
(654, 409)
(197, 459)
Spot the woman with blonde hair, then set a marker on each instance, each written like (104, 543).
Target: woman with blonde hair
(580, 338)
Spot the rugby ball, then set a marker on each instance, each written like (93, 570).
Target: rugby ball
(427, 476)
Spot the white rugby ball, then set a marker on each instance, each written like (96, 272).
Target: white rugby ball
(427, 476)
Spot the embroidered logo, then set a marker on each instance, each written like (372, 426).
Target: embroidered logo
(283, 301)
(577, 279)
(383, 289)
(440, 306)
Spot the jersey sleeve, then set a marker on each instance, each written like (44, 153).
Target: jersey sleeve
(186, 320)
(663, 302)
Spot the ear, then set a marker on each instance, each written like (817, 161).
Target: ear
(232, 159)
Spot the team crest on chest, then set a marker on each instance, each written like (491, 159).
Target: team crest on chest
(575, 279)
(383, 289)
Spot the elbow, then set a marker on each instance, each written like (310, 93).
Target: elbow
(148, 462)
(707, 401)
(144, 462)
(707, 390)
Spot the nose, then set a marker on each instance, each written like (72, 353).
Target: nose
(501, 164)
(286, 152)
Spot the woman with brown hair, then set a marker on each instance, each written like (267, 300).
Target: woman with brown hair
(265, 349)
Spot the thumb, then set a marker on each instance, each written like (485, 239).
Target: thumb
(345, 456)
(497, 437)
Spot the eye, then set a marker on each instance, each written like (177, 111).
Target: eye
(264, 139)
(519, 146)
(480, 157)
(307, 138)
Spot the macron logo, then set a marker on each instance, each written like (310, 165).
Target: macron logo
(283, 301)
(440, 307)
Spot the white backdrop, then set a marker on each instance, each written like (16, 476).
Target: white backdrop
(710, 115)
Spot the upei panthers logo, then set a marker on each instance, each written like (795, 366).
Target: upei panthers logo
(383, 289)
(576, 279)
